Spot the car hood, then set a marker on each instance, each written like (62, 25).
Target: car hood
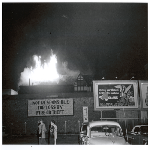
(107, 141)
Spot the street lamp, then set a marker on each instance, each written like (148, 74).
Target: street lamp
(132, 78)
(103, 78)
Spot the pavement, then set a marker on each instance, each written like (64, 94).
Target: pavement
(33, 140)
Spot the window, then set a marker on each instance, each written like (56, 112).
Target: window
(137, 129)
(144, 129)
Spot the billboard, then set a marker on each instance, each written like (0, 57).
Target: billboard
(115, 94)
(144, 93)
(49, 107)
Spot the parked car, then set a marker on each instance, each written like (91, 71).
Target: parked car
(103, 133)
(83, 132)
(138, 135)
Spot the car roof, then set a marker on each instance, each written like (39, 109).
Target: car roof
(95, 123)
(85, 123)
(140, 125)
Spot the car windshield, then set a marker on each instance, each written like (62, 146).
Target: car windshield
(144, 129)
(84, 127)
(106, 130)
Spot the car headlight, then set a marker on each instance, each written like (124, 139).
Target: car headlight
(86, 141)
(83, 138)
(145, 142)
(127, 143)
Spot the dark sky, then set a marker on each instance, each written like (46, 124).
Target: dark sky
(101, 39)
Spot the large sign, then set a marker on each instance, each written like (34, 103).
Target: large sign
(49, 107)
(114, 94)
(144, 93)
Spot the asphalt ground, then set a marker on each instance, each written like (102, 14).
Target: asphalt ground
(33, 140)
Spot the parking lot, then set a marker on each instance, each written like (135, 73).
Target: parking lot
(32, 140)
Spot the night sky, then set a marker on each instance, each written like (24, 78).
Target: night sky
(99, 39)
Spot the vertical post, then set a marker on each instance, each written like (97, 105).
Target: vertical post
(65, 127)
(132, 123)
(144, 120)
(79, 125)
(11, 128)
(127, 134)
(101, 115)
(124, 113)
(25, 127)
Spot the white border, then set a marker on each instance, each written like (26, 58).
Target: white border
(102, 82)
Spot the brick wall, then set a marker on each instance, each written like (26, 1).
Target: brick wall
(15, 113)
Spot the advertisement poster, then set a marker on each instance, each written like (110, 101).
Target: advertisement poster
(49, 107)
(85, 114)
(144, 93)
(113, 94)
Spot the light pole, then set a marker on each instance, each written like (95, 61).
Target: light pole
(103, 78)
(25, 127)
(79, 125)
(11, 129)
(132, 78)
(65, 127)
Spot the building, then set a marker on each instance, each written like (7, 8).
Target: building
(9, 92)
(83, 83)
(62, 103)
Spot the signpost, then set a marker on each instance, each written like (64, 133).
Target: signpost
(85, 114)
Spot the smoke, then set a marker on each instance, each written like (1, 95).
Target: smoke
(67, 75)
(68, 71)
(24, 77)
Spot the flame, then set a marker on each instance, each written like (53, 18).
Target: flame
(41, 73)
(45, 73)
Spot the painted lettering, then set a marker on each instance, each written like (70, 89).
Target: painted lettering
(48, 112)
(55, 102)
(35, 102)
(43, 102)
(53, 106)
(64, 101)
(48, 102)
(42, 112)
(58, 111)
(37, 113)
